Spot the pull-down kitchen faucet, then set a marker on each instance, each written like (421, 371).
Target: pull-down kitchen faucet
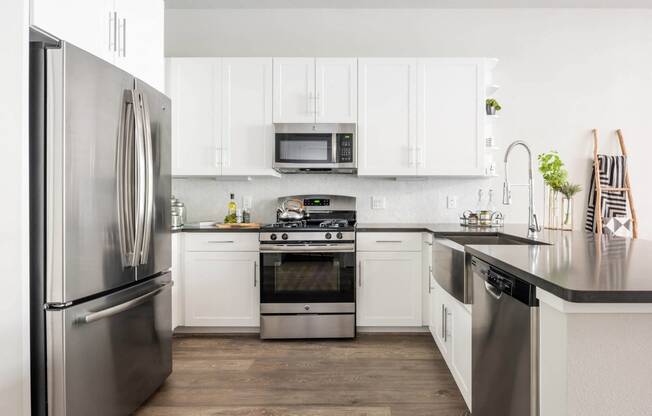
(533, 223)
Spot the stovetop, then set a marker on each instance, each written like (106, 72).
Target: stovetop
(311, 225)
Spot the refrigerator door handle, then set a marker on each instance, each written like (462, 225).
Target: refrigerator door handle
(141, 177)
(124, 175)
(149, 178)
(122, 307)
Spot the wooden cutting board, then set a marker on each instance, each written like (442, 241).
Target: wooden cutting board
(236, 226)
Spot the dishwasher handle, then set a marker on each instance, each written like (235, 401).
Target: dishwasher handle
(494, 292)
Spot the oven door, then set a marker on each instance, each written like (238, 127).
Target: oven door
(307, 276)
(305, 150)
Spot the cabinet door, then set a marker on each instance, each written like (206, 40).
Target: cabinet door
(86, 24)
(336, 94)
(294, 90)
(389, 289)
(427, 277)
(222, 289)
(177, 278)
(460, 349)
(387, 116)
(247, 130)
(140, 40)
(440, 325)
(450, 117)
(194, 87)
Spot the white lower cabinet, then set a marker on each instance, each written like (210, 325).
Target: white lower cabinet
(389, 287)
(177, 278)
(450, 326)
(221, 287)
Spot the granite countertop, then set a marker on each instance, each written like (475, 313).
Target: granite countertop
(574, 265)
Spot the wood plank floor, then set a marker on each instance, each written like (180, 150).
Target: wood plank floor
(373, 375)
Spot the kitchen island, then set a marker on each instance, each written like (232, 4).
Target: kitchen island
(595, 313)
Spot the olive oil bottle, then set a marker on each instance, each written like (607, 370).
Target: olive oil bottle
(232, 208)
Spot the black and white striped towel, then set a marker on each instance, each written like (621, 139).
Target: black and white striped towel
(613, 204)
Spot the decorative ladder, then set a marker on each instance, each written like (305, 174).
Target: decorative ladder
(599, 189)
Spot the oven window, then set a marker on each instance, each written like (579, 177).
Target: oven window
(307, 277)
(304, 148)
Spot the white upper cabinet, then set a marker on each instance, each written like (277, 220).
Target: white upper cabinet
(126, 33)
(193, 85)
(247, 131)
(387, 119)
(450, 131)
(221, 116)
(315, 90)
(336, 96)
(294, 90)
(140, 42)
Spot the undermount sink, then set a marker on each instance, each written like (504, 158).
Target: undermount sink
(492, 239)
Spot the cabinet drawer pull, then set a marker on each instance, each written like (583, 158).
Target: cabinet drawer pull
(359, 274)
(389, 241)
(221, 241)
(255, 273)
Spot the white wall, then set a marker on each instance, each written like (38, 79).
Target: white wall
(14, 262)
(562, 73)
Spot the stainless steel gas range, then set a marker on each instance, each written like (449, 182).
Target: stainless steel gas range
(308, 270)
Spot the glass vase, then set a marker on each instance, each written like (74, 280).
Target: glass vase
(552, 215)
(567, 213)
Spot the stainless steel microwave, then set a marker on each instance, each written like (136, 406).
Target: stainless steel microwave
(315, 148)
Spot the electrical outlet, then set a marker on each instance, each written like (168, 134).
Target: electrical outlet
(451, 202)
(377, 202)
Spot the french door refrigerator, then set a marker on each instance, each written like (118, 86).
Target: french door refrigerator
(100, 241)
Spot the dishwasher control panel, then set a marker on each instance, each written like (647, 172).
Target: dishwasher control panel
(512, 286)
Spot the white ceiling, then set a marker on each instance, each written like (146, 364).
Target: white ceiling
(404, 4)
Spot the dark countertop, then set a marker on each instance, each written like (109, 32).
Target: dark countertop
(574, 265)
(195, 228)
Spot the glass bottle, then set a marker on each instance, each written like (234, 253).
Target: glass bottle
(232, 206)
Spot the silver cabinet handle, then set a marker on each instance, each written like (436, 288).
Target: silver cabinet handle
(113, 18)
(443, 322)
(389, 241)
(255, 273)
(446, 323)
(430, 278)
(130, 304)
(221, 241)
(419, 151)
(360, 274)
(124, 37)
(218, 156)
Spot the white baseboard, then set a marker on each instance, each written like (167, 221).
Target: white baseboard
(203, 330)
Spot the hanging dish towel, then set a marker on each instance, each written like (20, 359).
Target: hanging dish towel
(612, 204)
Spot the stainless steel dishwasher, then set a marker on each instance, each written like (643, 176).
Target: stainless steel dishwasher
(505, 344)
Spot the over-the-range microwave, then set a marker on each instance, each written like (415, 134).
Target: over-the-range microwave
(315, 148)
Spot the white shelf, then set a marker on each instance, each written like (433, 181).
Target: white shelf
(491, 89)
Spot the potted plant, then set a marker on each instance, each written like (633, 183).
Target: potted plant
(492, 106)
(555, 176)
(568, 190)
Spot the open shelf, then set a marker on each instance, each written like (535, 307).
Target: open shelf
(491, 89)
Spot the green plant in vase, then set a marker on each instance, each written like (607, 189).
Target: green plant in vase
(555, 176)
(568, 190)
(492, 106)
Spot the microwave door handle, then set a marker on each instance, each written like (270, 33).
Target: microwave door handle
(334, 148)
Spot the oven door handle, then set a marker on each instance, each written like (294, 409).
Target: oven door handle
(308, 248)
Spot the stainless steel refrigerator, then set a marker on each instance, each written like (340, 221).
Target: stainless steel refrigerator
(100, 234)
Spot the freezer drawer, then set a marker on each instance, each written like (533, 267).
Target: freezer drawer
(107, 355)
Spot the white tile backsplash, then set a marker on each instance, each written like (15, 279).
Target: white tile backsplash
(406, 200)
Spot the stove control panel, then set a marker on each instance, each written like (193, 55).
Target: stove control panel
(306, 236)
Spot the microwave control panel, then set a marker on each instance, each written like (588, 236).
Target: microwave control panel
(344, 148)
